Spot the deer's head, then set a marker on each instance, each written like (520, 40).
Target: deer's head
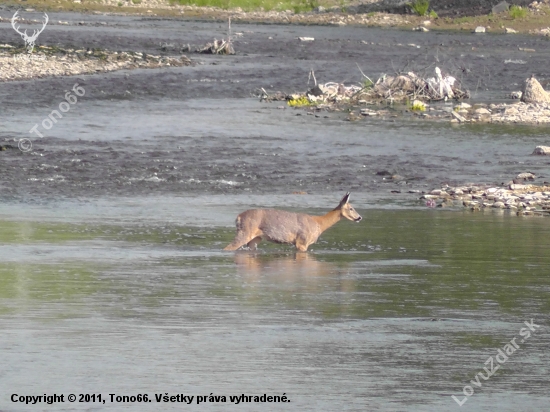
(347, 210)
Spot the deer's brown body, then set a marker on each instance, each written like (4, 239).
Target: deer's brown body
(280, 226)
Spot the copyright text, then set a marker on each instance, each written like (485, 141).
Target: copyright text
(144, 397)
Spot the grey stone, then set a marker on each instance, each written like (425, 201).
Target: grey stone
(533, 92)
(500, 7)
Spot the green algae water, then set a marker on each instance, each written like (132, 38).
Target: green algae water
(399, 312)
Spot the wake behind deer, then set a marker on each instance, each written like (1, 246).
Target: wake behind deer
(280, 226)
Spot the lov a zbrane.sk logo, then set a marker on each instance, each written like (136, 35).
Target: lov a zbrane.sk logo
(29, 40)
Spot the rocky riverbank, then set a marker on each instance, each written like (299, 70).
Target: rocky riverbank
(15, 64)
(524, 199)
(454, 14)
(534, 108)
(519, 195)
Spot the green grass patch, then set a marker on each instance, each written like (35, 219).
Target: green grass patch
(297, 6)
(517, 12)
(464, 20)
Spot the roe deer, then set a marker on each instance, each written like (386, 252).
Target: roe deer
(280, 226)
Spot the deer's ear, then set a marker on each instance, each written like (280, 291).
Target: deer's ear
(345, 199)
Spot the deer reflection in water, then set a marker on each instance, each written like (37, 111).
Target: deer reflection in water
(297, 271)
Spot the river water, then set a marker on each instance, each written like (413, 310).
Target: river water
(113, 278)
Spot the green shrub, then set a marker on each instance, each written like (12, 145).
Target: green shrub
(420, 7)
(418, 106)
(517, 12)
(367, 84)
(299, 102)
(433, 15)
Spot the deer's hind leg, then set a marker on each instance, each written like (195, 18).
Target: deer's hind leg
(242, 238)
(247, 233)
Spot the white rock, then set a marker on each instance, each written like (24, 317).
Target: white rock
(482, 110)
(542, 150)
(479, 29)
(509, 30)
(306, 38)
(533, 92)
(457, 117)
(526, 176)
(518, 187)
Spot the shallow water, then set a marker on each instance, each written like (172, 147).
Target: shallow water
(112, 277)
(398, 312)
(173, 147)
